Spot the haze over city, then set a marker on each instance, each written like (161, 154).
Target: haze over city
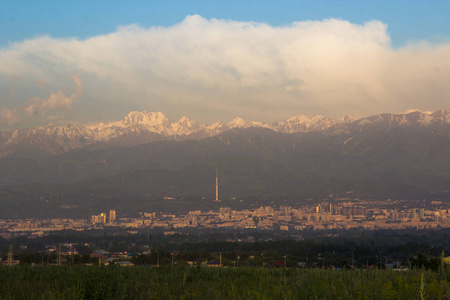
(83, 62)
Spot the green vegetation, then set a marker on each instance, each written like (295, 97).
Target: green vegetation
(114, 282)
(409, 248)
(317, 268)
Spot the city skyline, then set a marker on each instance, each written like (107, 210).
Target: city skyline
(338, 213)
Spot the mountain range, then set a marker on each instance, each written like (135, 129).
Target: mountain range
(134, 164)
(138, 128)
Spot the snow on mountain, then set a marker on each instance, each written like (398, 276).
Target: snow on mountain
(185, 126)
(216, 128)
(441, 115)
(143, 127)
(410, 117)
(133, 122)
(241, 123)
(145, 118)
(45, 140)
(408, 111)
(302, 123)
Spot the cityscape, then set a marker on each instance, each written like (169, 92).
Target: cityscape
(342, 216)
(225, 149)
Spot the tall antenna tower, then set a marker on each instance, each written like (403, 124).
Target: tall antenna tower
(10, 260)
(217, 186)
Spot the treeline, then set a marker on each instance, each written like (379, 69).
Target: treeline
(325, 249)
(265, 258)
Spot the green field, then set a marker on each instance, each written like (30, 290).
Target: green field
(115, 282)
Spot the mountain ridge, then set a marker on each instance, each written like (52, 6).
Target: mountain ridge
(401, 156)
(144, 127)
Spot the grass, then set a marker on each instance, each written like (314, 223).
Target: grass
(113, 282)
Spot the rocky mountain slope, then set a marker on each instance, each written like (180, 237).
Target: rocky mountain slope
(138, 128)
(145, 127)
(397, 156)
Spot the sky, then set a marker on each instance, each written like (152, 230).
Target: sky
(89, 61)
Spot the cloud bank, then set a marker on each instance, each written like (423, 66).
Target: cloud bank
(218, 69)
(56, 102)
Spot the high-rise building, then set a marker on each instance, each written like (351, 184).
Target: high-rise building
(103, 218)
(421, 213)
(99, 219)
(112, 216)
(319, 208)
(353, 210)
(413, 213)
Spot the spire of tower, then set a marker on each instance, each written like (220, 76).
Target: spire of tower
(217, 185)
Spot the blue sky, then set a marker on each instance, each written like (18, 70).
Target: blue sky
(407, 20)
(88, 61)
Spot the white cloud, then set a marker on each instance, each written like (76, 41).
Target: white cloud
(56, 102)
(9, 116)
(12, 90)
(217, 69)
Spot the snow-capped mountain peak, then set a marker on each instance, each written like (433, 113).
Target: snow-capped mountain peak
(145, 118)
(302, 123)
(188, 122)
(415, 110)
(184, 126)
(144, 127)
(239, 122)
(299, 119)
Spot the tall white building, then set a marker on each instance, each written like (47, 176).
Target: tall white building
(99, 219)
(112, 216)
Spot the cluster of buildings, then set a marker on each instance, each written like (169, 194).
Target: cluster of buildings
(341, 215)
(285, 218)
(101, 218)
